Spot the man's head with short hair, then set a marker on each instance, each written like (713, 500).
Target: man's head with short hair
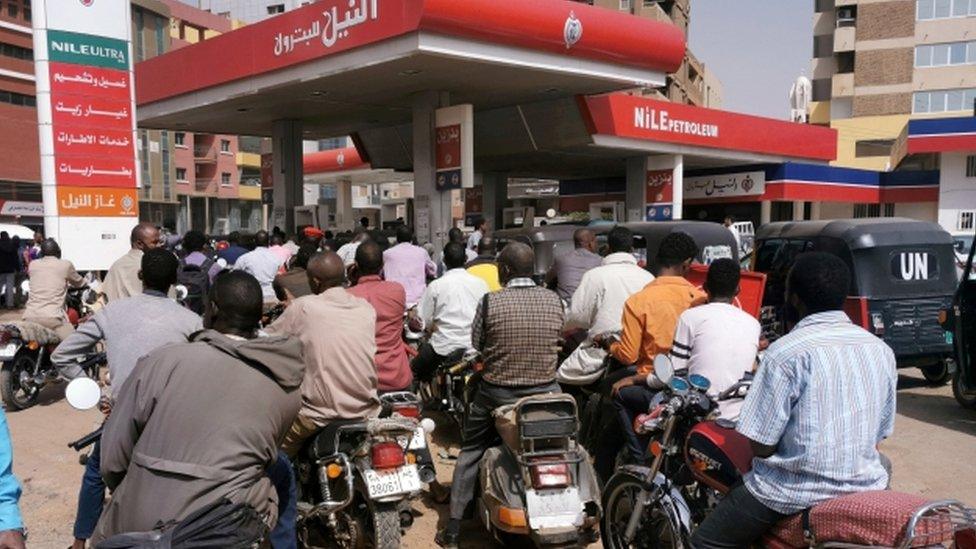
(620, 240)
(304, 254)
(729, 220)
(364, 221)
(277, 239)
(158, 269)
(369, 259)
(325, 270)
(404, 234)
(236, 304)
(50, 248)
(194, 241)
(584, 238)
(676, 253)
(454, 255)
(261, 239)
(234, 237)
(517, 260)
(455, 235)
(144, 236)
(486, 246)
(818, 282)
(722, 281)
(38, 237)
(480, 223)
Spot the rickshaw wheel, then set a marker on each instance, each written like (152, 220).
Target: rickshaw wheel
(937, 374)
(966, 399)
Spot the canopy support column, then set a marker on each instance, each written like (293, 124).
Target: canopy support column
(432, 208)
(287, 153)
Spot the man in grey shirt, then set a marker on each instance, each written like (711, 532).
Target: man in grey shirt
(132, 327)
(568, 269)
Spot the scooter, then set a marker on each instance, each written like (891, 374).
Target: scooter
(539, 483)
(696, 460)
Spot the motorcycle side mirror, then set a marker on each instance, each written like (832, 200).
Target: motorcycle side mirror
(83, 393)
(181, 292)
(663, 368)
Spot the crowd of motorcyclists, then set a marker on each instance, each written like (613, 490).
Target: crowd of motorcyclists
(213, 395)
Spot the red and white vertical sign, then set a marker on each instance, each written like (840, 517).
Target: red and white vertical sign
(454, 147)
(86, 120)
(659, 195)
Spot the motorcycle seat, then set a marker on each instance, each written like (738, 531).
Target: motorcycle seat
(32, 331)
(328, 441)
(453, 358)
(875, 519)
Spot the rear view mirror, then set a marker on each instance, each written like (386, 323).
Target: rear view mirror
(83, 393)
(663, 368)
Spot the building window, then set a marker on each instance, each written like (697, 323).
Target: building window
(821, 6)
(144, 161)
(873, 147)
(179, 139)
(943, 101)
(18, 99)
(821, 89)
(13, 9)
(160, 35)
(943, 55)
(971, 166)
(16, 52)
(625, 5)
(137, 44)
(225, 179)
(965, 221)
(164, 150)
(276, 8)
(181, 175)
(943, 9)
(225, 146)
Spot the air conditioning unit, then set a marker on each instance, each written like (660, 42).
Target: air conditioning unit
(845, 17)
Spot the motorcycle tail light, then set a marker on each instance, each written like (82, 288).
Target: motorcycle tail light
(407, 410)
(5, 336)
(550, 475)
(387, 455)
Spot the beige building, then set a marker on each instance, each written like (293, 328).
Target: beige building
(879, 63)
(692, 83)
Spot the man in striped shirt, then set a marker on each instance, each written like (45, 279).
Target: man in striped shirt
(822, 400)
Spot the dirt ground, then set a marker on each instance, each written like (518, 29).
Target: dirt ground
(933, 436)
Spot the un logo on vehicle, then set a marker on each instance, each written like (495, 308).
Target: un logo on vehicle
(572, 30)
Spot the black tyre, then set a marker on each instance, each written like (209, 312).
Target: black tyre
(386, 526)
(655, 531)
(937, 374)
(966, 399)
(18, 396)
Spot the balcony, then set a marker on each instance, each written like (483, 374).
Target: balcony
(844, 39)
(205, 155)
(842, 85)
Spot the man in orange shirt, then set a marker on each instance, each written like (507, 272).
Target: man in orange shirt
(649, 320)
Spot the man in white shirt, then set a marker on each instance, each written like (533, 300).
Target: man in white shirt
(719, 340)
(446, 310)
(597, 306)
(347, 252)
(262, 264)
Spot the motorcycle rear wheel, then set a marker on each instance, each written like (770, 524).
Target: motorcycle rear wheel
(16, 396)
(386, 526)
(655, 531)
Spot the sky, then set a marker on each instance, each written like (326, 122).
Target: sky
(756, 47)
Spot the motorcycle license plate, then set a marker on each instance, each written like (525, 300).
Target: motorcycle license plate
(392, 482)
(553, 508)
(9, 350)
(419, 439)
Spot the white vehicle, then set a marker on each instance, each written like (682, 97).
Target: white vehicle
(20, 231)
(747, 236)
(962, 241)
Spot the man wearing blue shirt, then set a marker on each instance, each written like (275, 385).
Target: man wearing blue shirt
(11, 525)
(822, 400)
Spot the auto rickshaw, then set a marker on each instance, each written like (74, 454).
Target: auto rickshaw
(903, 274)
(714, 240)
(959, 322)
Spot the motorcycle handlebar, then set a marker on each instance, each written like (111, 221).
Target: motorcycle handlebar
(86, 440)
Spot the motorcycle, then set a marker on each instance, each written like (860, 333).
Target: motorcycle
(25, 350)
(450, 390)
(539, 483)
(355, 478)
(696, 461)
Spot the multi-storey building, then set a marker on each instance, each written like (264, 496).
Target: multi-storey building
(876, 64)
(883, 71)
(248, 11)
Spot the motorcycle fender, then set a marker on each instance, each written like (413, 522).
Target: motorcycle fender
(500, 479)
(672, 501)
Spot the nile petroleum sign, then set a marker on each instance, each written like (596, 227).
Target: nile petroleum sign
(86, 116)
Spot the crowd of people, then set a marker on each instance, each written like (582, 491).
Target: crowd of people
(181, 373)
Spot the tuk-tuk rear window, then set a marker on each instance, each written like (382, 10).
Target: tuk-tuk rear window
(913, 265)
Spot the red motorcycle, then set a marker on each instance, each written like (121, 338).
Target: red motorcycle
(696, 461)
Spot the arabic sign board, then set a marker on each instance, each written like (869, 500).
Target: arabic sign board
(473, 204)
(454, 147)
(725, 185)
(659, 195)
(16, 208)
(85, 202)
(86, 118)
